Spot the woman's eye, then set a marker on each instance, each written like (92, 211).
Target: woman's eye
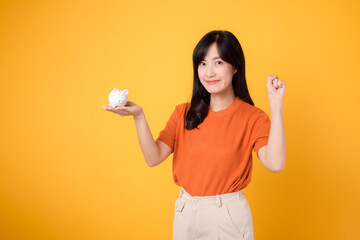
(203, 64)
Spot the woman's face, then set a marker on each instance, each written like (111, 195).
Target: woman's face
(214, 68)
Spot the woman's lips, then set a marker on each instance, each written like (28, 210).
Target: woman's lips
(212, 82)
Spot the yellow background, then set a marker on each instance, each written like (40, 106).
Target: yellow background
(71, 170)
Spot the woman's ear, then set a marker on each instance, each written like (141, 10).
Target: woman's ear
(235, 71)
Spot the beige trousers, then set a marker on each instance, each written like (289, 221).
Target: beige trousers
(219, 217)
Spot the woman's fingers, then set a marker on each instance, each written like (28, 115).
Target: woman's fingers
(108, 107)
(121, 110)
(279, 83)
(276, 82)
(130, 108)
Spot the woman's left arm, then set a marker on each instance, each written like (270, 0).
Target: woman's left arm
(275, 154)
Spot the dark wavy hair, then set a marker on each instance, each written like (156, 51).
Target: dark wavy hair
(230, 51)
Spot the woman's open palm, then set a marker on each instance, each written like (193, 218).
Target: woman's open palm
(130, 108)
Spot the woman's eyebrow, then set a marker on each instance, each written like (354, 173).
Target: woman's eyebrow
(215, 58)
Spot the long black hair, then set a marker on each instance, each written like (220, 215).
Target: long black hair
(230, 51)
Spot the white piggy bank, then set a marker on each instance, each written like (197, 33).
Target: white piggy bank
(118, 97)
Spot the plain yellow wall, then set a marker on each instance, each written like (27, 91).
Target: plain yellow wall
(71, 170)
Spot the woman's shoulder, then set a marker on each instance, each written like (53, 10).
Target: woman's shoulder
(251, 110)
(182, 107)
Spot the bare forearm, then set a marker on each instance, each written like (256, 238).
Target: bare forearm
(148, 146)
(276, 149)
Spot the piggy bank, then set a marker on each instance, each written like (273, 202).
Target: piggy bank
(118, 97)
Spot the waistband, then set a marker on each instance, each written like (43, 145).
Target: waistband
(214, 199)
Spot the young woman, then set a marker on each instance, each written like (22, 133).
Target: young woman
(212, 139)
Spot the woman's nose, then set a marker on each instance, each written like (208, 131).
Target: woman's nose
(209, 71)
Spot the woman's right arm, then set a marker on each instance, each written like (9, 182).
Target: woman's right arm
(154, 152)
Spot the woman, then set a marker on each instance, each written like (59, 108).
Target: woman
(212, 139)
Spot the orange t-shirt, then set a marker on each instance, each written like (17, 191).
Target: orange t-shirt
(217, 157)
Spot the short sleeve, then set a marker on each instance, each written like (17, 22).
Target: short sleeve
(261, 130)
(168, 134)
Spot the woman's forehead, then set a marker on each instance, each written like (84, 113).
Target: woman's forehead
(212, 53)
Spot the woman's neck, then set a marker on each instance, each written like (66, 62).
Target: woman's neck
(219, 102)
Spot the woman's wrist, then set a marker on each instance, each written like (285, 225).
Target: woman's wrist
(139, 115)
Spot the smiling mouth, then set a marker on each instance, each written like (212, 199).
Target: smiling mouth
(212, 82)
